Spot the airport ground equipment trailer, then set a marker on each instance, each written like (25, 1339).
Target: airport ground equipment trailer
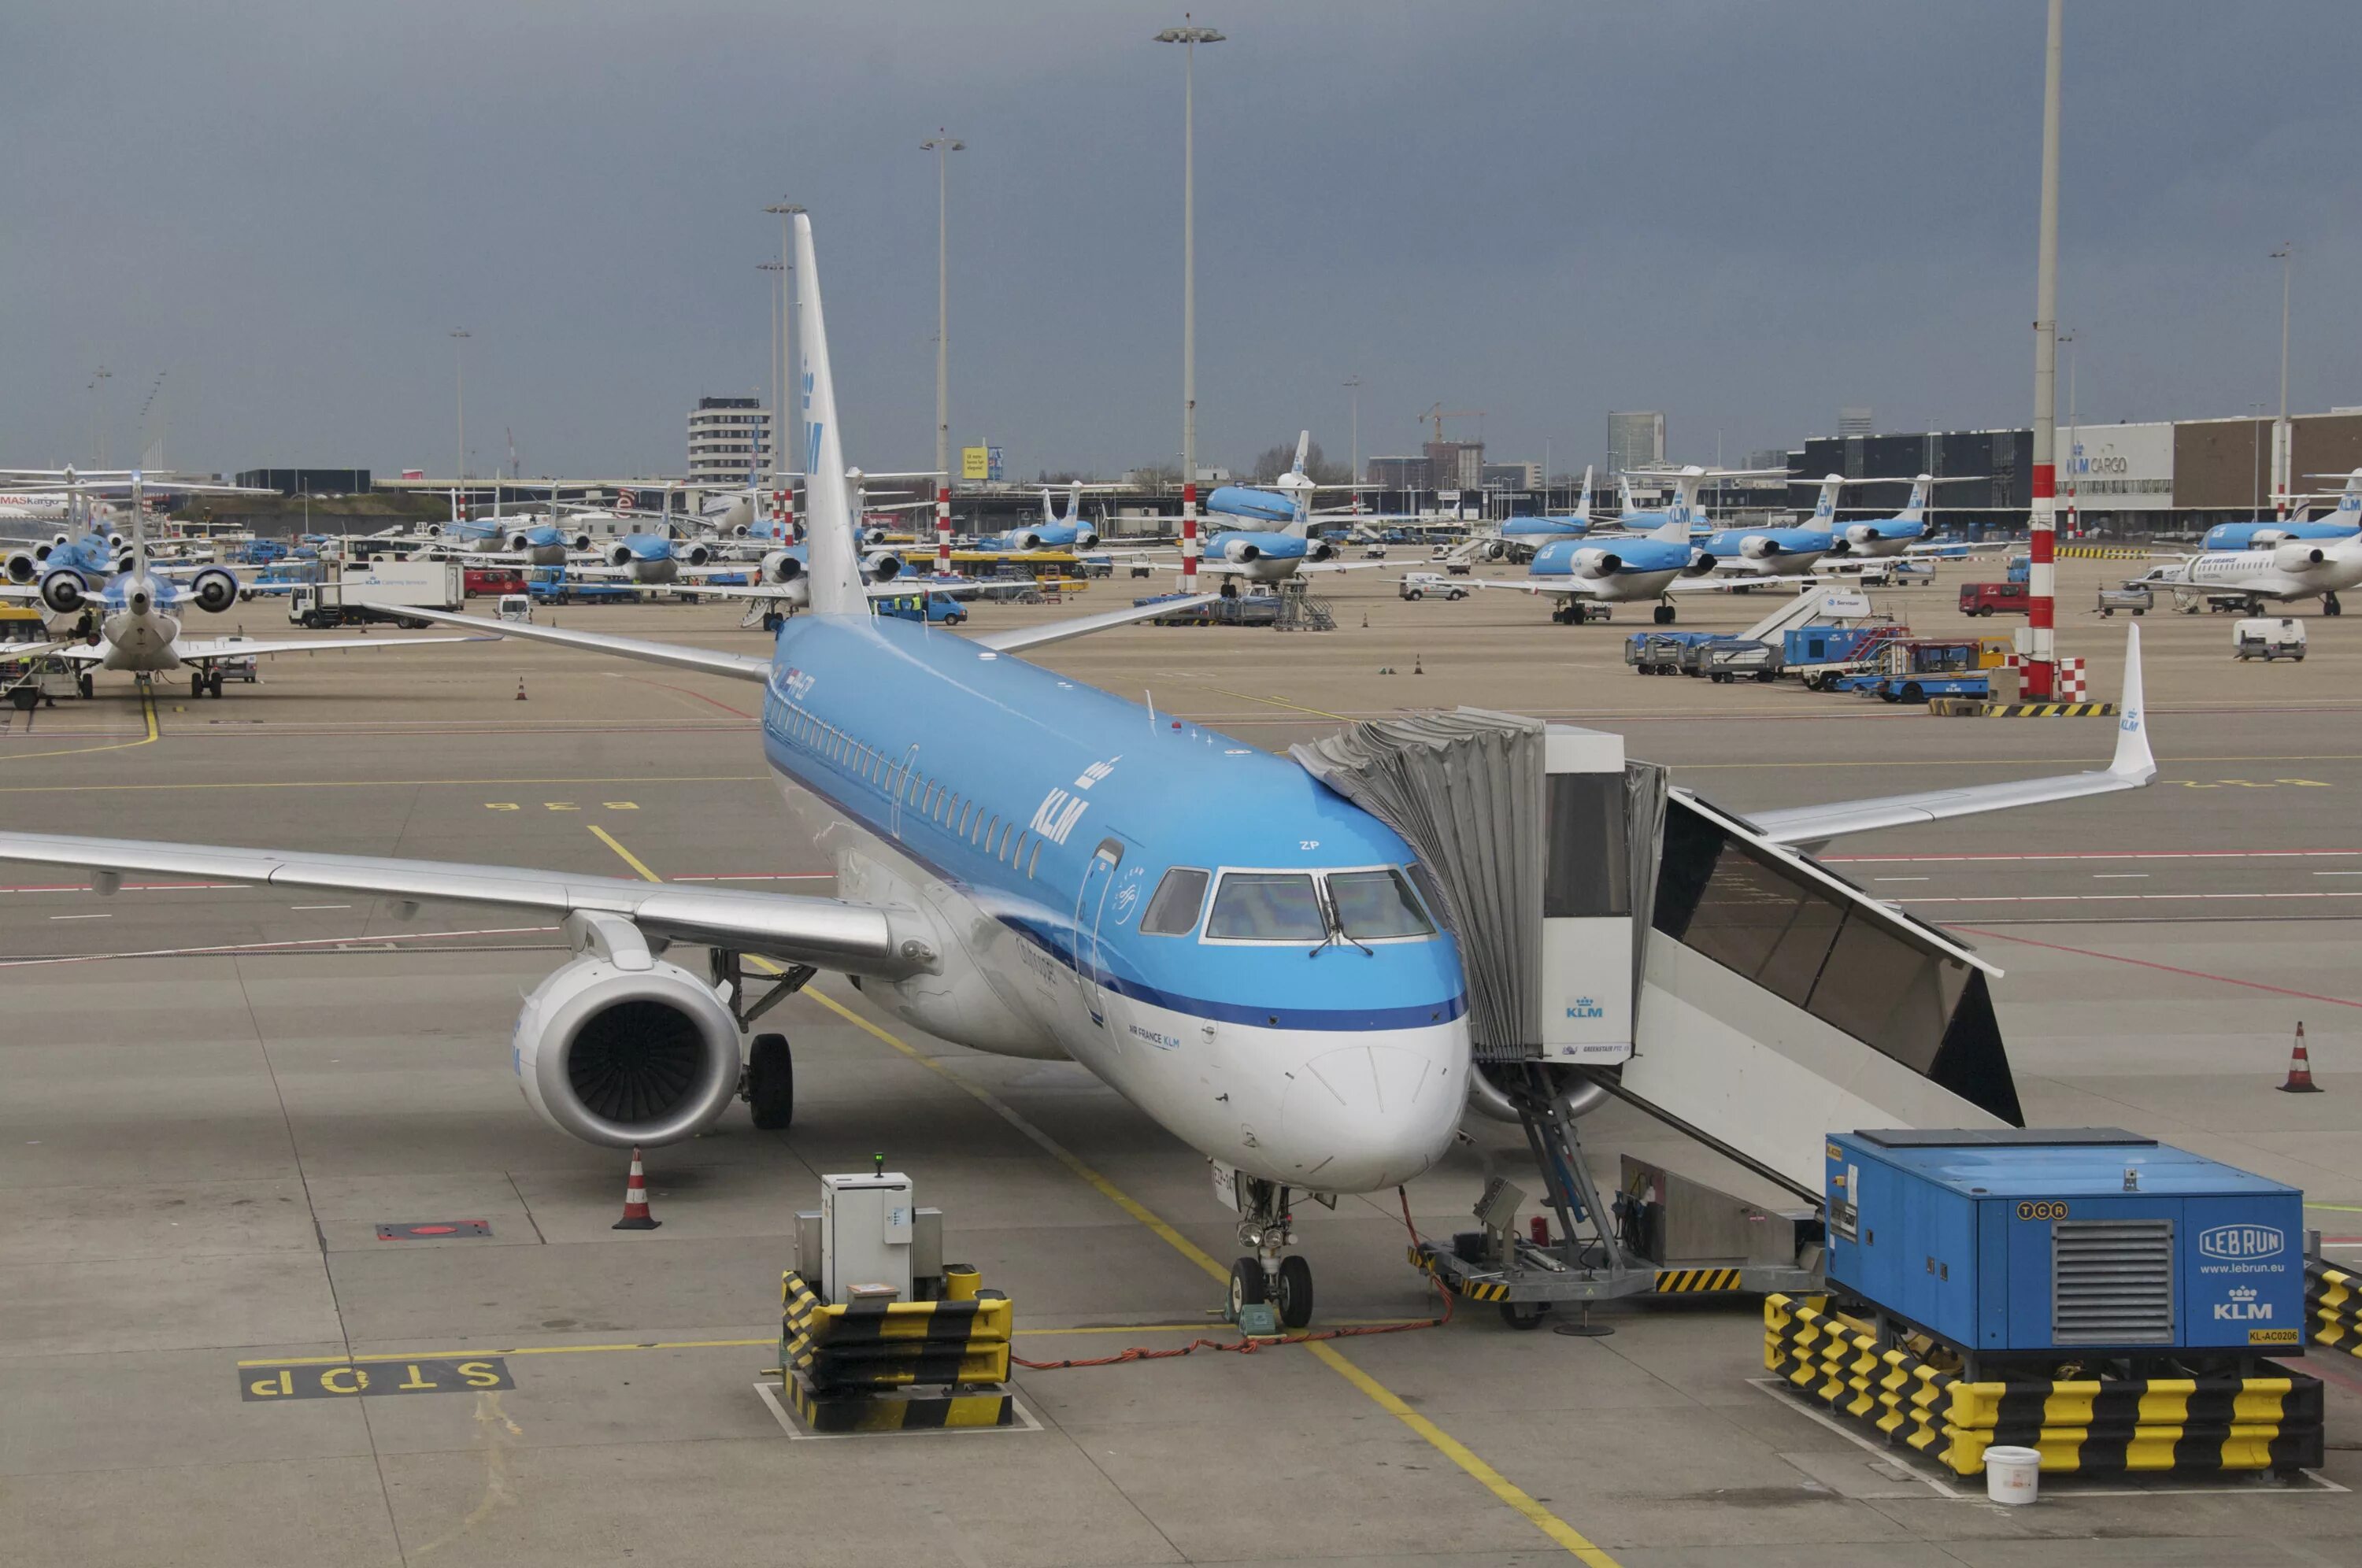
(1724, 659)
(2137, 598)
(2268, 637)
(1914, 670)
(1659, 652)
(352, 592)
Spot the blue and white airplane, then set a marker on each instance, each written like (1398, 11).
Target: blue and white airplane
(1627, 570)
(1876, 538)
(1052, 533)
(1025, 866)
(131, 616)
(1749, 552)
(2263, 532)
(1528, 534)
(1271, 554)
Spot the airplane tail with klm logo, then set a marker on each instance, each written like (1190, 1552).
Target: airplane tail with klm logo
(831, 570)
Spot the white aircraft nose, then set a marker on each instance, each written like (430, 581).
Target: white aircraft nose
(1375, 1113)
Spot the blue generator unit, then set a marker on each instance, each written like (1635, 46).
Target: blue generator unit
(2034, 1244)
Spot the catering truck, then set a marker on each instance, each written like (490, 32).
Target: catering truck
(356, 592)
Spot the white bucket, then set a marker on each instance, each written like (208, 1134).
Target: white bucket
(2012, 1476)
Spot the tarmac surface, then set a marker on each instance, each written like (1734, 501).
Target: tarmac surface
(275, 1075)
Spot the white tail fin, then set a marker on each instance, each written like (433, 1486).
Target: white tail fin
(1073, 502)
(1624, 495)
(1582, 501)
(1303, 448)
(1825, 511)
(1675, 529)
(831, 569)
(1048, 511)
(1917, 510)
(2133, 759)
(2351, 499)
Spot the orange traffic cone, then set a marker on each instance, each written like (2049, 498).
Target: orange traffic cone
(520, 688)
(2299, 1078)
(636, 1199)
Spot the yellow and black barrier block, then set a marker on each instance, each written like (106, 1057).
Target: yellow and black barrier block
(1692, 1281)
(2101, 553)
(1422, 1257)
(894, 1366)
(2332, 1306)
(2078, 1426)
(2049, 710)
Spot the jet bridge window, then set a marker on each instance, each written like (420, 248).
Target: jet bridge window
(1807, 943)
(1266, 905)
(1585, 870)
(1375, 905)
(1173, 911)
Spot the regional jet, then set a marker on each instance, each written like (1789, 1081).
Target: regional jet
(2264, 533)
(1025, 866)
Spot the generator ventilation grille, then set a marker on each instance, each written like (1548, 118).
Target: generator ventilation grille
(2112, 1282)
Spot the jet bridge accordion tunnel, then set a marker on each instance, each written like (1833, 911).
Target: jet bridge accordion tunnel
(1762, 1000)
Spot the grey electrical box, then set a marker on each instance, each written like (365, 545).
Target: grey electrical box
(866, 1228)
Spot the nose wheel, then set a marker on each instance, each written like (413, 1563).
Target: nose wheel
(1271, 1274)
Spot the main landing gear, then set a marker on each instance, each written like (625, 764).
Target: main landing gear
(1267, 1225)
(2329, 605)
(1663, 614)
(768, 1080)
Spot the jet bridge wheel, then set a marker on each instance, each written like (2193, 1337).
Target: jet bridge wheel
(771, 1083)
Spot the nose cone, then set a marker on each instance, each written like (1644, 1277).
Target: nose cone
(1373, 1114)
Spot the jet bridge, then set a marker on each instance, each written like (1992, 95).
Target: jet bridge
(1623, 937)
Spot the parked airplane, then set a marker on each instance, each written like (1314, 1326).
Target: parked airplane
(1749, 552)
(1527, 534)
(2286, 572)
(1023, 867)
(1270, 555)
(1627, 570)
(133, 621)
(1905, 532)
(2264, 533)
(1052, 533)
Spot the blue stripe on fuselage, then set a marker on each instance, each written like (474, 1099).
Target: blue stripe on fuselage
(849, 700)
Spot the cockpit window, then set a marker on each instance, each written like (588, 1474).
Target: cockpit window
(1373, 904)
(1266, 905)
(1174, 910)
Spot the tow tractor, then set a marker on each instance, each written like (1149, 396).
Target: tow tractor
(1912, 670)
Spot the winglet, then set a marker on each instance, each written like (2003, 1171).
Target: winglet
(2133, 759)
(834, 572)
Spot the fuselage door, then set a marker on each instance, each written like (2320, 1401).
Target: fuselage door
(900, 783)
(1090, 909)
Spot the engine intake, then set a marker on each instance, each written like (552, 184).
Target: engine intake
(2298, 558)
(1241, 551)
(214, 589)
(781, 566)
(616, 1054)
(1595, 563)
(63, 593)
(1758, 547)
(22, 565)
(884, 566)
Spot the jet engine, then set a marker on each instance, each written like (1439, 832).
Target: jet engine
(1240, 552)
(881, 566)
(214, 589)
(781, 566)
(1594, 563)
(1086, 537)
(519, 542)
(2298, 556)
(619, 554)
(1319, 550)
(2265, 538)
(1025, 539)
(23, 566)
(433, 530)
(616, 1054)
(696, 554)
(63, 591)
(1861, 535)
(1761, 547)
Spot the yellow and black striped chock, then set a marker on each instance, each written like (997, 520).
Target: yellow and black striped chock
(2049, 710)
(2078, 1426)
(2333, 1304)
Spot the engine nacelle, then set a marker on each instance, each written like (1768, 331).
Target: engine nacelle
(2298, 556)
(214, 589)
(881, 566)
(1026, 539)
(618, 1055)
(2265, 538)
(23, 566)
(1594, 563)
(697, 555)
(619, 554)
(781, 566)
(1240, 552)
(1488, 1097)
(1701, 564)
(1862, 534)
(519, 543)
(1319, 550)
(873, 535)
(1087, 538)
(433, 530)
(1759, 547)
(63, 593)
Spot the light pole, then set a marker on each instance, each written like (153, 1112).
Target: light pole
(773, 286)
(2074, 437)
(98, 380)
(942, 144)
(2042, 573)
(1189, 36)
(2286, 256)
(1354, 385)
(459, 388)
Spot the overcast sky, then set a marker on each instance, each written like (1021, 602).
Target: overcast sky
(1742, 213)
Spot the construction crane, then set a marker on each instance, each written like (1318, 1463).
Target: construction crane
(1440, 413)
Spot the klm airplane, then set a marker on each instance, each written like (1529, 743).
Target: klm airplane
(2264, 533)
(1532, 532)
(1024, 867)
(1052, 533)
(1283, 550)
(1627, 570)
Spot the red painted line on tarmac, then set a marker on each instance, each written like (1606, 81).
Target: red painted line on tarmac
(2166, 969)
(669, 685)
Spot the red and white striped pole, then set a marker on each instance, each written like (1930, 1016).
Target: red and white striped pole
(1190, 535)
(2040, 676)
(943, 527)
(787, 514)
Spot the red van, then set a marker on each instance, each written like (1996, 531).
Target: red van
(493, 581)
(1984, 598)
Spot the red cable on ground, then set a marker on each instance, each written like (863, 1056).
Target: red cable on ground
(1249, 1347)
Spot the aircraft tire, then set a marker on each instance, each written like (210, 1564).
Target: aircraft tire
(1525, 1316)
(1294, 1293)
(771, 1083)
(1247, 1285)
(196, 684)
(89, 687)
(213, 684)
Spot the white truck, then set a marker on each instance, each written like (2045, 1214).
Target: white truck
(347, 587)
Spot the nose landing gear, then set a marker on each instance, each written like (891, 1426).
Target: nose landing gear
(1267, 1225)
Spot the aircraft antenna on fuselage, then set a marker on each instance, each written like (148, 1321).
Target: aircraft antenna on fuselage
(831, 566)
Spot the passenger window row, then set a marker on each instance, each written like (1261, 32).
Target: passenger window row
(964, 818)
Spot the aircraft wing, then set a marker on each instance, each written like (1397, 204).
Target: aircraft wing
(2133, 766)
(1723, 584)
(738, 667)
(1577, 587)
(830, 933)
(205, 650)
(1341, 566)
(1018, 639)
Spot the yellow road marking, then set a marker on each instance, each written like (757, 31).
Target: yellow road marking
(630, 859)
(1251, 697)
(148, 710)
(1563, 1534)
(391, 783)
